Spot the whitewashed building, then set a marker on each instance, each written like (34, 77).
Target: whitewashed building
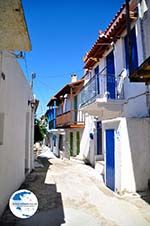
(118, 105)
(16, 102)
(66, 121)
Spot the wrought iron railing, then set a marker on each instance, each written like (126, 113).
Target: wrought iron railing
(97, 87)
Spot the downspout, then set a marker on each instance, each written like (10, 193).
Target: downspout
(128, 25)
(148, 98)
(144, 57)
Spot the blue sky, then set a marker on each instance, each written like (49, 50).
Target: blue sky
(61, 32)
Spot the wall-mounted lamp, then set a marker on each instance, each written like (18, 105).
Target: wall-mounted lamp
(19, 55)
(3, 76)
(32, 103)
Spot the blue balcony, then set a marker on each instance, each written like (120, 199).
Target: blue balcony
(103, 96)
(51, 118)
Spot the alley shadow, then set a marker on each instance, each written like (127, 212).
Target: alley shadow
(50, 206)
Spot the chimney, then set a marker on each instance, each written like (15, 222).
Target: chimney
(73, 78)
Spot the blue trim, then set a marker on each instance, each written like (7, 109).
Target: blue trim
(110, 75)
(99, 137)
(96, 72)
(52, 116)
(134, 63)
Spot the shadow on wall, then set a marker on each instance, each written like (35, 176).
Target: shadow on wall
(139, 132)
(50, 209)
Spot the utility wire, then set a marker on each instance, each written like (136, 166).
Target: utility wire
(63, 75)
(26, 67)
(40, 82)
(41, 95)
(44, 84)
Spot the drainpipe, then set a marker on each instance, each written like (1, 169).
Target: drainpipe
(148, 98)
(128, 25)
(142, 33)
(144, 57)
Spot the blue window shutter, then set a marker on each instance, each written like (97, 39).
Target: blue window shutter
(96, 71)
(134, 63)
(110, 75)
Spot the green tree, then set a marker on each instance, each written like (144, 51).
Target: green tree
(39, 130)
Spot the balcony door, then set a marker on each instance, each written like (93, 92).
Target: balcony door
(75, 108)
(96, 72)
(134, 53)
(110, 75)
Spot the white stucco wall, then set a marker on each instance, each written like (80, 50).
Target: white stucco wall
(87, 147)
(14, 95)
(132, 153)
(136, 107)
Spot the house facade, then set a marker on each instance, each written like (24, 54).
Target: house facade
(16, 103)
(66, 122)
(118, 105)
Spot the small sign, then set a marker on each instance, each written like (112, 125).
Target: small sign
(23, 203)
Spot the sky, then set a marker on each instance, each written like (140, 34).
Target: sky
(61, 32)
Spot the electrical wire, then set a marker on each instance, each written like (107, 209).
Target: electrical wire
(44, 84)
(62, 75)
(26, 67)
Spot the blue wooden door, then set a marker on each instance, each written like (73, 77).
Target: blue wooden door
(110, 159)
(110, 75)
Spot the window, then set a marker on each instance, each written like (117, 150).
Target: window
(96, 72)
(67, 104)
(59, 111)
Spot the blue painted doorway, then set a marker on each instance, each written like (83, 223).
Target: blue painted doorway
(110, 75)
(110, 159)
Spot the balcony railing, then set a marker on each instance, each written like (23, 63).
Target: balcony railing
(97, 87)
(70, 117)
(52, 124)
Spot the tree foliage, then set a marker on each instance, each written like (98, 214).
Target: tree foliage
(39, 130)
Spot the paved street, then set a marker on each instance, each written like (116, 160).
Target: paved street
(73, 194)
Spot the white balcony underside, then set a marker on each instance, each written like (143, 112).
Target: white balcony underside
(57, 131)
(104, 108)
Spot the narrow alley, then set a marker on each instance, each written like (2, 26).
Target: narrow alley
(72, 193)
(75, 134)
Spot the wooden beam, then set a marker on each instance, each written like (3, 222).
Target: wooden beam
(143, 73)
